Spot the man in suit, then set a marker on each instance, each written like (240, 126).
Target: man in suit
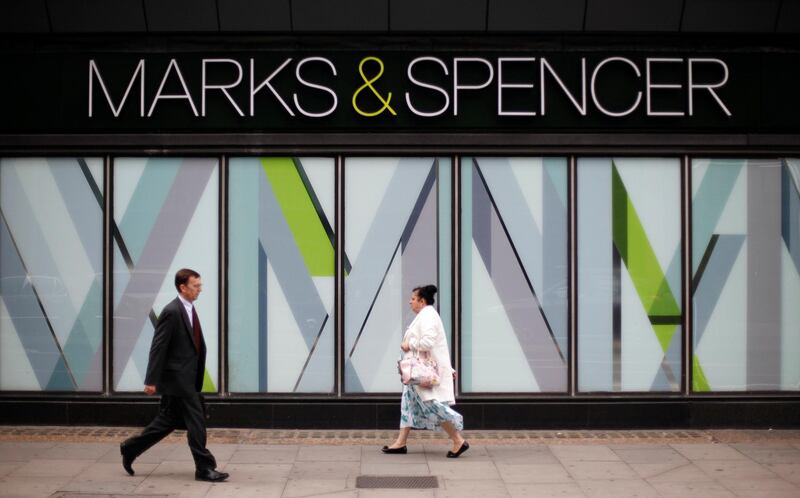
(175, 370)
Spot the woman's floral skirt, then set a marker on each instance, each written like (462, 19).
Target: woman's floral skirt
(429, 415)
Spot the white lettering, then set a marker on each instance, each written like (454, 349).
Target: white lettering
(501, 85)
(457, 87)
(139, 72)
(580, 106)
(650, 86)
(313, 85)
(185, 95)
(427, 85)
(710, 86)
(222, 88)
(594, 92)
(266, 83)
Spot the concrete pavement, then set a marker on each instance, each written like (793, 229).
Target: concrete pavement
(85, 463)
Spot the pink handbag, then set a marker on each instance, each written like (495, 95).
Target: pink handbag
(419, 370)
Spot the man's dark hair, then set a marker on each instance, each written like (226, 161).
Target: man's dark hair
(426, 292)
(182, 277)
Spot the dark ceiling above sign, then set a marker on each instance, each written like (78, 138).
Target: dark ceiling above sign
(400, 16)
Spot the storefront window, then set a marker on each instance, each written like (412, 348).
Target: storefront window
(629, 274)
(514, 275)
(51, 274)
(746, 274)
(281, 274)
(165, 217)
(397, 237)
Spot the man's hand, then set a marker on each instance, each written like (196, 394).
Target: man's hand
(149, 389)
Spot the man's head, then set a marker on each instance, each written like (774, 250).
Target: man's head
(188, 284)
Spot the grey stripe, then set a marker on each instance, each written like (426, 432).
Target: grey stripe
(764, 275)
(289, 266)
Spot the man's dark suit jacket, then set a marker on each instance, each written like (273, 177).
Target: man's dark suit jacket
(175, 366)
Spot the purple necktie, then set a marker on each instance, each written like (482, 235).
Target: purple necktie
(198, 334)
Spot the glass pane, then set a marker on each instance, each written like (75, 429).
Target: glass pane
(51, 274)
(629, 274)
(514, 274)
(746, 274)
(166, 217)
(397, 237)
(281, 274)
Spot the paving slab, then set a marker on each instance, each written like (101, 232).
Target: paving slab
(615, 488)
(709, 452)
(670, 472)
(561, 490)
(734, 469)
(296, 488)
(522, 454)
(787, 471)
(762, 488)
(29, 486)
(481, 488)
(584, 453)
(519, 473)
(700, 489)
(600, 470)
(320, 453)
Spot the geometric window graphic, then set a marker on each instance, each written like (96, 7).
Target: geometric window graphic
(51, 274)
(281, 274)
(746, 274)
(397, 236)
(514, 274)
(629, 275)
(165, 217)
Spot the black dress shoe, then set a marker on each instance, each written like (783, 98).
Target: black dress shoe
(210, 475)
(127, 460)
(395, 451)
(464, 447)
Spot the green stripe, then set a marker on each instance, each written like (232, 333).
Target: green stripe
(640, 260)
(301, 216)
(699, 381)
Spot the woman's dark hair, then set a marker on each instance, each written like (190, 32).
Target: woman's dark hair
(426, 292)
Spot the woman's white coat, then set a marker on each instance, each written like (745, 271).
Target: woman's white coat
(426, 333)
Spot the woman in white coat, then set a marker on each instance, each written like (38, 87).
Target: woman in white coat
(429, 408)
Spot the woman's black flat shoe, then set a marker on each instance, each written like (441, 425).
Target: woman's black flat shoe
(395, 451)
(464, 447)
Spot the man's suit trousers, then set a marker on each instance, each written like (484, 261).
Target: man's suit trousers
(176, 412)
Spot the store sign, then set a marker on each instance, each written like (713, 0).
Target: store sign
(248, 88)
(309, 90)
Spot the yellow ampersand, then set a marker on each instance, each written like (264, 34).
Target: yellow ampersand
(368, 84)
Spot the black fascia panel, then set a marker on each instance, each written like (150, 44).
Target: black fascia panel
(438, 15)
(165, 16)
(536, 15)
(23, 16)
(97, 16)
(340, 15)
(789, 17)
(730, 16)
(634, 15)
(254, 15)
